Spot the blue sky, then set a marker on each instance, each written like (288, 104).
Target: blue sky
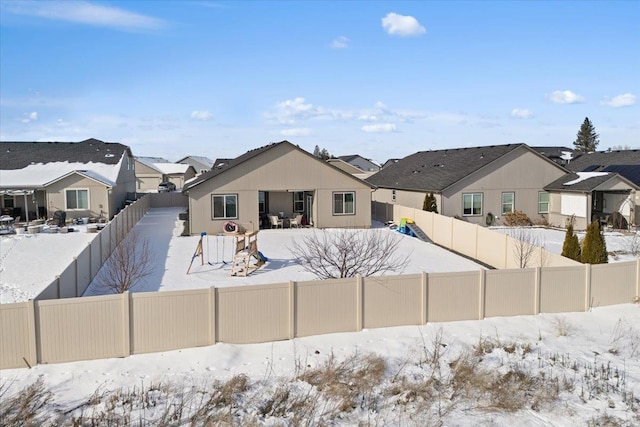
(381, 79)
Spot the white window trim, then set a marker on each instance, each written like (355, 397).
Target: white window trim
(66, 205)
(298, 201)
(333, 201)
(473, 195)
(548, 202)
(513, 202)
(225, 217)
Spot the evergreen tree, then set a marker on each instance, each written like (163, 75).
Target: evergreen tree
(571, 246)
(324, 154)
(587, 139)
(316, 151)
(430, 204)
(594, 248)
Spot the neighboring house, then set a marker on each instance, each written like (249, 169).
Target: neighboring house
(349, 168)
(478, 184)
(151, 171)
(278, 177)
(388, 163)
(560, 155)
(199, 163)
(365, 165)
(85, 179)
(600, 183)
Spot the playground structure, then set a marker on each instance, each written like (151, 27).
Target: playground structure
(409, 227)
(245, 248)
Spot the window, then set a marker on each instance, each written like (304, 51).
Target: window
(472, 204)
(77, 199)
(7, 201)
(543, 202)
(262, 202)
(298, 201)
(508, 200)
(225, 206)
(344, 203)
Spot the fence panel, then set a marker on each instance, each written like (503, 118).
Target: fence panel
(83, 271)
(168, 200)
(105, 242)
(464, 236)
(252, 314)
(96, 255)
(613, 283)
(16, 335)
(424, 220)
(392, 301)
(453, 296)
(562, 289)
(510, 292)
(68, 281)
(442, 226)
(326, 306)
(492, 247)
(82, 328)
(163, 321)
(50, 292)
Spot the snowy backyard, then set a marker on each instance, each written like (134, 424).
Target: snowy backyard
(544, 370)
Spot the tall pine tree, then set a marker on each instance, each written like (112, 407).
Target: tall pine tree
(571, 245)
(586, 139)
(594, 248)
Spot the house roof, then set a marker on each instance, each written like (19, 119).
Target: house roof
(347, 167)
(351, 157)
(439, 169)
(18, 155)
(172, 168)
(28, 165)
(584, 182)
(200, 159)
(623, 162)
(563, 153)
(227, 164)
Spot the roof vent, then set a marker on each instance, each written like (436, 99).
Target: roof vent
(109, 155)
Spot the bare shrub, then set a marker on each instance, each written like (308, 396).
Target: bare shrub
(348, 382)
(347, 253)
(625, 336)
(633, 244)
(562, 326)
(218, 406)
(26, 407)
(129, 263)
(525, 247)
(517, 219)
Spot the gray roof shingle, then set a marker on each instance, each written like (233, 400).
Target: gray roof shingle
(624, 162)
(18, 155)
(437, 170)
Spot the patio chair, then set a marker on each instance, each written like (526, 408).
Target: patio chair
(296, 222)
(275, 221)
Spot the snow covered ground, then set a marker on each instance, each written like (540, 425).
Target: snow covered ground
(545, 370)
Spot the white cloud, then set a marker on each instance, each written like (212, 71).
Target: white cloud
(201, 115)
(402, 25)
(379, 128)
(341, 42)
(296, 132)
(293, 110)
(368, 117)
(31, 117)
(565, 97)
(521, 114)
(624, 100)
(84, 12)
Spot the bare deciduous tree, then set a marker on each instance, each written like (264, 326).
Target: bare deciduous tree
(526, 245)
(347, 253)
(128, 264)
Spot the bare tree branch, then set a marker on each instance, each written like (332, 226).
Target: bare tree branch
(525, 246)
(347, 253)
(128, 264)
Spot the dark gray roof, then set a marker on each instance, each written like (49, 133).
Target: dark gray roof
(18, 155)
(437, 170)
(583, 186)
(624, 162)
(553, 152)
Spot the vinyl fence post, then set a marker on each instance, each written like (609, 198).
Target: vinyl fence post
(482, 292)
(359, 303)
(57, 287)
(638, 279)
(536, 290)
(292, 309)
(33, 338)
(423, 299)
(587, 287)
(212, 315)
(126, 324)
(75, 262)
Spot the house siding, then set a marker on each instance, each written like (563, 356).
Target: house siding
(280, 169)
(520, 171)
(98, 197)
(412, 199)
(147, 179)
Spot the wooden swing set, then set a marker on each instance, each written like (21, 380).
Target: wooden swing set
(246, 248)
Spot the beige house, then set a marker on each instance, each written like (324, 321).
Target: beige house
(151, 171)
(477, 184)
(84, 179)
(279, 178)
